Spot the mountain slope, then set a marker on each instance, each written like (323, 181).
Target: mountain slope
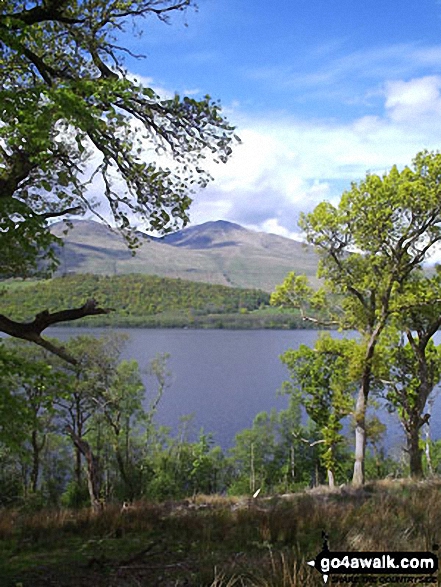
(214, 252)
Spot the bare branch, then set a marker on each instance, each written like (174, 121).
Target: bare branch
(31, 331)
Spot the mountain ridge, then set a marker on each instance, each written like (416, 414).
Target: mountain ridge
(219, 252)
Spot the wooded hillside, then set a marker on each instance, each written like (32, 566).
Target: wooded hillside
(129, 296)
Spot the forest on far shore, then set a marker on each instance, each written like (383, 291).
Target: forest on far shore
(148, 301)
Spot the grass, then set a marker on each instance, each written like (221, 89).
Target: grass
(213, 541)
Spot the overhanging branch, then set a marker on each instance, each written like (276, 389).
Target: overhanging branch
(49, 11)
(31, 331)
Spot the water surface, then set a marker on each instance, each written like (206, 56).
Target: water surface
(223, 377)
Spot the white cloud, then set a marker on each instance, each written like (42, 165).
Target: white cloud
(416, 98)
(273, 226)
(339, 75)
(286, 166)
(338, 67)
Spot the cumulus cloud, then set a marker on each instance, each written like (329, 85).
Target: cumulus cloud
(286, 166)
(414, 99)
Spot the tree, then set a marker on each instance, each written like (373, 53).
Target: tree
(31, 389)
(271, 455)
(13, 410)
(99, 385)
(96, 407)
(120, 402)
(411, 372)
(408, 373)
(369, 246)
(71, 115)
(323, 383)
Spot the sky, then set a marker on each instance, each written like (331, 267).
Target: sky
(321, 92)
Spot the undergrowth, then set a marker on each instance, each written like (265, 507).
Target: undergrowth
(211, 541)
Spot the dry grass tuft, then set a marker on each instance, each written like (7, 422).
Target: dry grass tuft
(220, 542)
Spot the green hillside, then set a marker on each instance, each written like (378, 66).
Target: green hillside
(145, 300)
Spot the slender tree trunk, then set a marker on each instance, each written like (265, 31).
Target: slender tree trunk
(412, 428)
(427, 451)
(93, 472)
(415, 453)
(24, 478)
(35, 462)
(293, 464)
(416, 418)
(77, 466)
(122, 466)
(360, 432)
(252, 471)
(427, 440)
(36, 451)
(361, 407)
(78, 426)
(331, 479)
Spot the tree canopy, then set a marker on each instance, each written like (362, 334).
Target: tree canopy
(72, 116)
(324, 380)
(371, 246)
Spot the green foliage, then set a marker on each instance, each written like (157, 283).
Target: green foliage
(371, 247)
(271, 455)
(433, 449)
(71, 115)
(175, 467)
(314, 305)
(378, 235)
(406, 374)
(75, 496)
(27, 385)
(11, 487)
(402, 385)
(130, 296)
(324, 380)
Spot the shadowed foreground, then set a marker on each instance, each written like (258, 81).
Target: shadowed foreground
(214, 541)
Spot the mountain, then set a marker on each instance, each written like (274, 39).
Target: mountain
(218, 233)
(214, 252)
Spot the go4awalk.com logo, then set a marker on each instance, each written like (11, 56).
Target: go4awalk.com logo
(410, 564)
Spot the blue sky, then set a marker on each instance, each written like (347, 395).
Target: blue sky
(320, 91)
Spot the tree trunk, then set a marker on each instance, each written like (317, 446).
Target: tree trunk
(77, 466)
(415, 454)
(293, 464)
(360, 434)
(428, 455)
(413, 427)
(361, 407)
(93, 472)
(416, 419)
(427, 442)
(36, 451)
(125, 476)
(331, 479)
(252, 471)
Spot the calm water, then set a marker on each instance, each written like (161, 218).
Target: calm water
(222, 377)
